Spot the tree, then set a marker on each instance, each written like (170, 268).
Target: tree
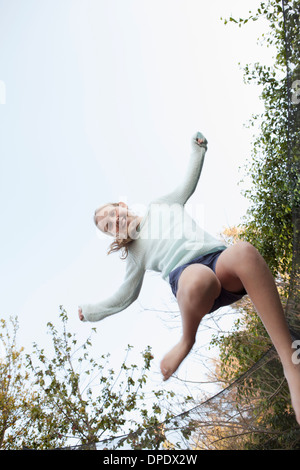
(16, 397)
(274, 164)
(254, 411)
(259, 392)
(67, 397)
(264, 418)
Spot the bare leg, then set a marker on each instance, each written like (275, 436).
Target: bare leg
(241, 265)
(198, 287)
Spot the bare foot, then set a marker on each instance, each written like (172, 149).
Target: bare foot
(81, 317)
(174, 358)
(292, 376)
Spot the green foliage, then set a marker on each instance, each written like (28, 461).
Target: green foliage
(274, 170)
(54, 399)
(274, 164)
(260, 396)
(243, 346)
(16, 398)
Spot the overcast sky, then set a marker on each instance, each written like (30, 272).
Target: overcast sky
(101, 101)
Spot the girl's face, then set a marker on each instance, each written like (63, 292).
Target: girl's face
(113, 220)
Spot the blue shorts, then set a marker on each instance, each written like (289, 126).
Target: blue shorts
(210, 260)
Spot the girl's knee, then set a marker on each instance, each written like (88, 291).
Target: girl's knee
(247, 252)
(248, 259)
(198, 288)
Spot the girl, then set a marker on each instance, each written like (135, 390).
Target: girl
(203, 274)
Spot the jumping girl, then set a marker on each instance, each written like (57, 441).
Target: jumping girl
(204, 275)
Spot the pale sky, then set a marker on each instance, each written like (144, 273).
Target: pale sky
(102, 98)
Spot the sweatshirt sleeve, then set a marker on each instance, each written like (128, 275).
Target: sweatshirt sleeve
(125, 296)
(183, 192)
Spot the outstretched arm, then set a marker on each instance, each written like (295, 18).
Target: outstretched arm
(125, 296)
(183, 192)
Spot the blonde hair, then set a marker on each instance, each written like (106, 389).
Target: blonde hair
(119, 244)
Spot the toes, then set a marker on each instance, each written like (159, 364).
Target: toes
(165, 372)
(166, 375)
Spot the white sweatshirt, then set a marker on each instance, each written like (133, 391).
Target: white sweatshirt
(168, 238)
